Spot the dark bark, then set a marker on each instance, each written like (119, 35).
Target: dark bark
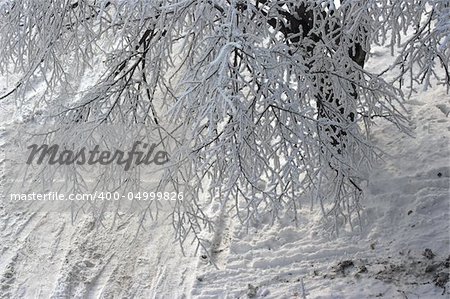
(301, 24)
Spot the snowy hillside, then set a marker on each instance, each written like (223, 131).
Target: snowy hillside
(406, 212)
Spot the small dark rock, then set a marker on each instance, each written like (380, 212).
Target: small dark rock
(362, 269)
(252, 290)
(431, 268)
(346, 264)
(439, 174)
(410, 212)
(342, 266)
(428, 254)
(441, 279)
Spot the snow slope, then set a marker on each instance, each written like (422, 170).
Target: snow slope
(45, 255)
(406, 211)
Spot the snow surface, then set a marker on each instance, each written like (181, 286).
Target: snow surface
(45, 255)
(406, 211)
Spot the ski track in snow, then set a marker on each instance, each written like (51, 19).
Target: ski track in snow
(51, 258)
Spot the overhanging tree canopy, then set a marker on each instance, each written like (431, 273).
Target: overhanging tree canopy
(270, 100)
